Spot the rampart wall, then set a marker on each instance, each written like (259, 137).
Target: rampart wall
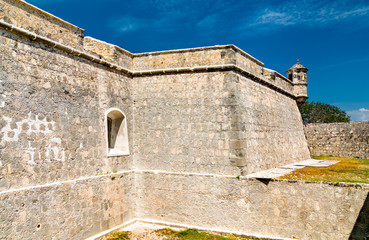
(338, 139)
(196, 118)
(218, 121)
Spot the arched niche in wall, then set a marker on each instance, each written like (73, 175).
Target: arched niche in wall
(116, 132)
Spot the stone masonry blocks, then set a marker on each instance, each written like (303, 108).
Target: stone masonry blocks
(338, 139)
(198, 119)
(290, 209)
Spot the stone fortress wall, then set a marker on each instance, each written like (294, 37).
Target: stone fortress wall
(338, 139)
(197, 119)
(56, 180)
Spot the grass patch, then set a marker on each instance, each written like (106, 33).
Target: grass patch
(349, 170)
(191, 234)
(169, 234)
(125, 235)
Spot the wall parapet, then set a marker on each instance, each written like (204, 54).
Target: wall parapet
(285, 87)
(62, 47)
(26, 16)
(201, 49)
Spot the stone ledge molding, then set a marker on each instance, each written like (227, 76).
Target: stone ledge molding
(67, 181)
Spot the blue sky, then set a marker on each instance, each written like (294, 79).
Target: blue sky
(331, 38)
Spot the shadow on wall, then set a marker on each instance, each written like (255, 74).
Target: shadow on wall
(361, 228)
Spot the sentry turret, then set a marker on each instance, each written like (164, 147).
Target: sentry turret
(297, 74)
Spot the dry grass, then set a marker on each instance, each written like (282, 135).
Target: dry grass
(349, 170)
(169, 234)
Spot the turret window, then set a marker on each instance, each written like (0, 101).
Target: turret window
(289, 76)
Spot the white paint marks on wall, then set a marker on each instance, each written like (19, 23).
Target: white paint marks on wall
(31, 151)
(11, 132)
(34, 124)
(54, 152)
(2, 102)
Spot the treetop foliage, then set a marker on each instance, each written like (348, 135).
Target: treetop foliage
(317, 112)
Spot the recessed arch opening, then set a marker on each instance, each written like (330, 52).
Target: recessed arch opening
(116, 132)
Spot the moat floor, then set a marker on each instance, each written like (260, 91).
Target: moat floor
(149, 231)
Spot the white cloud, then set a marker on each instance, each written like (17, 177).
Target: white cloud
(359, 115)
(208, 21)
(312, 13)
(130, 24)
(126, 24)
(170, 15)
(276, 18)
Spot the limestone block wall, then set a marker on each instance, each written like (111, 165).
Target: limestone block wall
(266, 128)
(67, 210)
(217, 122)
(248, 62)
(338, 139)
(56, 181)
(53, 108)
(299, 210)
(182, 122)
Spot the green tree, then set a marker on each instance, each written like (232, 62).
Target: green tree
(317, 112)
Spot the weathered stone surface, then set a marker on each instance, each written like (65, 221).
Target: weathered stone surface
(53, 115)
(338, 139)
(196, 119)
(69, 210)
(290, 209)
(219, 123)
(52, 130)
(109, 52)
